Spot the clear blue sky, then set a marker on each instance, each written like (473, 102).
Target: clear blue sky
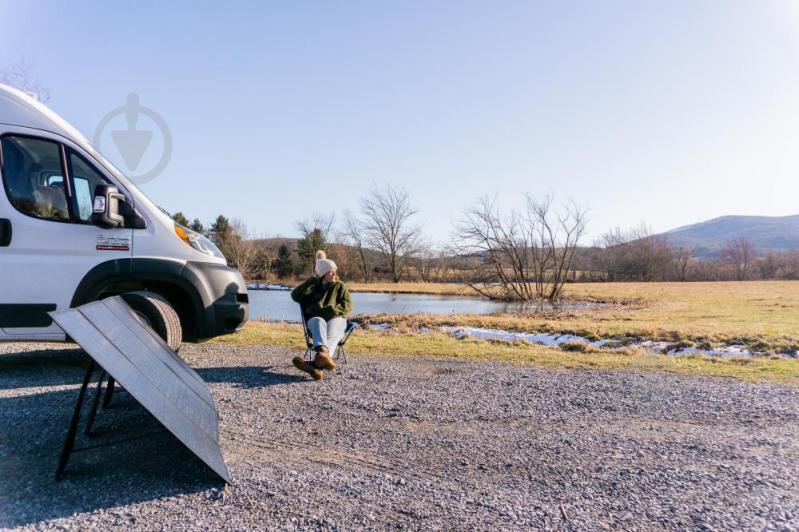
(664, 112)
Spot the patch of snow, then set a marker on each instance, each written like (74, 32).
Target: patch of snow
(555, 340)
(510, 336)
(267, 286)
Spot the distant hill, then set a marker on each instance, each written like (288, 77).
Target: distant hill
(766, 233)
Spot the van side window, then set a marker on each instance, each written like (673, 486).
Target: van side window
(33, 177)
(84, 181)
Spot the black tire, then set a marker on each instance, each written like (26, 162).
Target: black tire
(158, 314)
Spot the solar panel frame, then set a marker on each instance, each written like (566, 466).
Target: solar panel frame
(139, 360)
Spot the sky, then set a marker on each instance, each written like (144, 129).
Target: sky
(658, 112)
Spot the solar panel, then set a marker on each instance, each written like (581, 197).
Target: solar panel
(139, 360)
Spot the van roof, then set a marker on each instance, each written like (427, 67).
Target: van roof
(20, 109)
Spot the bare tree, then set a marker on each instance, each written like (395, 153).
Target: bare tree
(740, 254)
(681, 258)
(770, 265)
(648, 255)
(389, 228)
(636, 255)
(317, 222)
(342, 255)
(353, 231)
(610, 258)
(315, 235)
(524, 255)
(263, 259)
(240, 248)
(18, 75)
(427, 260)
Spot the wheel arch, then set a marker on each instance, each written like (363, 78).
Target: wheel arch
(165, 277)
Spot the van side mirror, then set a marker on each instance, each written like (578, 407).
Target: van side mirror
(106, 207)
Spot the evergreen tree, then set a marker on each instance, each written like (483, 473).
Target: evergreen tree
(180, 219)
(307, 246)
(221, 235)
(197, 226)
(284, 267)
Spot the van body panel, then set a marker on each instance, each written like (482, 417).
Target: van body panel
(59, 263)
(46, 259)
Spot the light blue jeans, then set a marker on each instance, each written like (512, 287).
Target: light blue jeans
(328, 333)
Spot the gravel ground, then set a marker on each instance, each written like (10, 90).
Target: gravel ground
(413, 442)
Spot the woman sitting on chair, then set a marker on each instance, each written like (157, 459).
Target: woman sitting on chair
(325, 301)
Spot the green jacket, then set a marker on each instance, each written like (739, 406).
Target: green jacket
(323, 301)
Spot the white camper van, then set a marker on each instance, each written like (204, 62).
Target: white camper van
(73, 229)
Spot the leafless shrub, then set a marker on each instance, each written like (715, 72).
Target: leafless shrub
(635, 254)
(524, 255)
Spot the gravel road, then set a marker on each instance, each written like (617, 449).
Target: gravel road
(413, 442)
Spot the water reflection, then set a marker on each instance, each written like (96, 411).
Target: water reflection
(274, 305)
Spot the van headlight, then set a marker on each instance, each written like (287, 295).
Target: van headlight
(197, 241)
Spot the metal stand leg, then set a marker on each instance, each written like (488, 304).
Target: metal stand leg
(95, 403)
(109, 390)
(69, 443)
(342, 353)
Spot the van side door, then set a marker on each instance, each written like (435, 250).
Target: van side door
(49, 242)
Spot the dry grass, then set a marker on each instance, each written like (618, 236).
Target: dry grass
(449, 289)
(440, 344)
(760, 314)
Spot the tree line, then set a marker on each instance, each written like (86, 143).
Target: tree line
(381, 241)
(638, 255)
(509, 254)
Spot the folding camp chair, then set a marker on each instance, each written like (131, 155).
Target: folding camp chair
(339, 353)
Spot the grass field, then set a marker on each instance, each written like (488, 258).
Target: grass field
(761, 315)
(371, 342)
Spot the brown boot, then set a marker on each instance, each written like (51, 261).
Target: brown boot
(303, 365)
(323, 360)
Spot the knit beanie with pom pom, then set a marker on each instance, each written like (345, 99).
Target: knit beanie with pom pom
(323, 264)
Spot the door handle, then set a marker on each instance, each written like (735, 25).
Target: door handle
(5, 232)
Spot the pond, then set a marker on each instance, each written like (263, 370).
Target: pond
(277, 305)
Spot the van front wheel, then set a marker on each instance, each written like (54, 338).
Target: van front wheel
(156, 312)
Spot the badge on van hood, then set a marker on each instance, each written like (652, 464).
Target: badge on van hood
(112, 243)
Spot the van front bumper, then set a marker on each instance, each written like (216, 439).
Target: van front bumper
(226, 303)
